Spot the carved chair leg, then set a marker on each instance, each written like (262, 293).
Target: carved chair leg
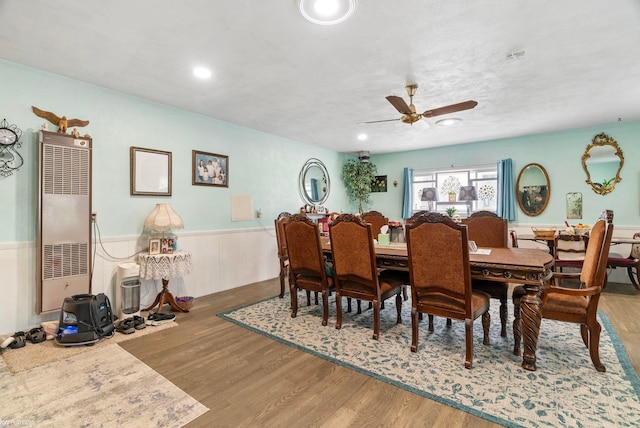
(283, 271)
(376, 319)
(468, 339)
(348, 304)
(339, 309)
(486, 323)
(517, 333)
(448, 322)
(635, 280)
(294, 301)
(308, 298)
(414, 329)
(430, 322)
(594, 343)
(404, 292)
(399, 308)
(504, 314)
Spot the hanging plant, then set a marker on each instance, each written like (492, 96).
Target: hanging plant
(358, 177)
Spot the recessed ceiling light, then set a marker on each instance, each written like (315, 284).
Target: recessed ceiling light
(448, 122)
(327, 12)
(202, 73)
(362, 137)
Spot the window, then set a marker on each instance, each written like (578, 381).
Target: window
(444, 185)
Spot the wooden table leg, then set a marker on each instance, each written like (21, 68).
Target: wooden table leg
(163, 297)
(531, 316)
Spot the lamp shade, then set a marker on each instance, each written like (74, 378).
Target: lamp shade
(162, 219)
(467, 193)
(429, 194)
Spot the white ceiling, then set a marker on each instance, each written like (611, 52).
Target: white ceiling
(276, 72)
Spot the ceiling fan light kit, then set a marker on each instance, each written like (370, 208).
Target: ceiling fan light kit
(327, 12)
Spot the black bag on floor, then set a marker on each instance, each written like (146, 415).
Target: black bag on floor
(84, 320)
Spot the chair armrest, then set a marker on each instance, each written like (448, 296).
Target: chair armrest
(590, 291)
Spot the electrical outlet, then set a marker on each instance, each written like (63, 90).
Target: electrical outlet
(94, 217)
(259, 213)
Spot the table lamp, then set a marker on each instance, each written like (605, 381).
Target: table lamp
(468, 194)
(162, 219)
(429, 194)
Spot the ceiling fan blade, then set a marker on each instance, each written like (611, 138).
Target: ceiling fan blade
(450, 109)
(399, 104)
(379, 121)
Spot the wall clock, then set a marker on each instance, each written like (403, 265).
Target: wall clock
(9, 134)
(10, 159)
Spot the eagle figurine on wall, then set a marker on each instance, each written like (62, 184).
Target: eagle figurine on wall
(61, 122)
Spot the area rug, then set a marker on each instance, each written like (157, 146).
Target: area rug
(104, 387)
(565, 390)
(34, 355)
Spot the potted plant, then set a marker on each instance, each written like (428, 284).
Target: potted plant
(451, 187)
(451, 211)
(358, 178)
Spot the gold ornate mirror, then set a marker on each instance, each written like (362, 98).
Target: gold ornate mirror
(533, 189)
(602, 162)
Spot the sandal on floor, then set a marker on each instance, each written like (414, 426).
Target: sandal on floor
(139, 322)
(36, 335)
(126, 326)
(19, 340)
(158, 318)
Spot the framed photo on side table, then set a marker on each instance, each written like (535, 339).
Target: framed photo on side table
(209, 169)
(154, 246)
(150, 172)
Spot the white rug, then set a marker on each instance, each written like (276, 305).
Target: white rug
(103, 387)
(565, 391)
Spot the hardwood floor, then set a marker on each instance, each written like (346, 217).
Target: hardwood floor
(249, 380)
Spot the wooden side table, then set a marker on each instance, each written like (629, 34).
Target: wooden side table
(164, 267)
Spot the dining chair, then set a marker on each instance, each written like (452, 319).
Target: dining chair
(487, 229)
(569, 251)
(577, 305)
(283, 255)
(377, 220)
(307, 269)
(440, 277)
(631, 263)
(355, 271)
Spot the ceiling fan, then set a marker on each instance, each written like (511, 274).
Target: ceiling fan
(409, 114)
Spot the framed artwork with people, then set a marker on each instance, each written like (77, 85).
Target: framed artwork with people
(210, 169)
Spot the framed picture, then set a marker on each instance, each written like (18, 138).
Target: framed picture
(150, 172)
(379, 184)
(154, 246)
(166, 245)
(574, 205)
(209, 169)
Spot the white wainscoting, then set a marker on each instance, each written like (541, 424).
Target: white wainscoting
(222, 259)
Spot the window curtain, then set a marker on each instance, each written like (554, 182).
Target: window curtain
(506, 203)
(407, 194)
(314, 189)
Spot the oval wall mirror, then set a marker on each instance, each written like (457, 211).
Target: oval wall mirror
(533, 189)
(313, 182)
(602, 162)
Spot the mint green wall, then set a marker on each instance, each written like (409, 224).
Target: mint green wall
(559, 153)
(261, 165)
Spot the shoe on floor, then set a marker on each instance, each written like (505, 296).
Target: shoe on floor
(126, 326)
(158, 318)
(138, 322)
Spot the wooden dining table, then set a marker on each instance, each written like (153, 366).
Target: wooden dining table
(530, 267)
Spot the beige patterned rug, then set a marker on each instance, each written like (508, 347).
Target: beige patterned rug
(34, 355)
(565, 391)
(102, 387)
